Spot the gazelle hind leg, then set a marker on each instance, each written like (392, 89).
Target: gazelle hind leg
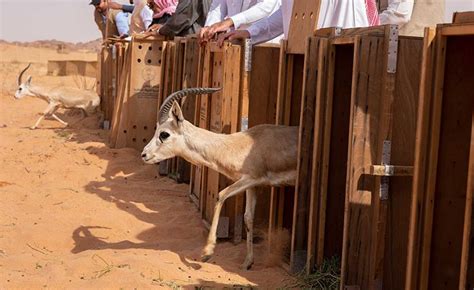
(239, 186)
(48, 111)
(251, 201)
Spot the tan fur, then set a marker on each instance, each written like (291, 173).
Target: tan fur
(60, 97)
(263, 155)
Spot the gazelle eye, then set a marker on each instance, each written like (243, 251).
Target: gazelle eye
(19, 89)
(164, 136)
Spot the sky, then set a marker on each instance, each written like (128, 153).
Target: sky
(66, 20)
(72, 20)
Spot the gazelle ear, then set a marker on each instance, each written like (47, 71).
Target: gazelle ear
(28, 81)
(176, 113)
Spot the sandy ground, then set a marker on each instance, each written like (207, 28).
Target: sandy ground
(76, 214)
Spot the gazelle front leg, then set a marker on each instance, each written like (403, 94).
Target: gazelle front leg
(251, 201)
(233, 189)
(49, 110)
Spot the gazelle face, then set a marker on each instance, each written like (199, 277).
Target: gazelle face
(23, 90)
(168, 140)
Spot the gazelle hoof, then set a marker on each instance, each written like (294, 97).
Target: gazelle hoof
(32, 128)
(205, 258)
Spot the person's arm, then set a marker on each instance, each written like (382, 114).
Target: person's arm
(186, 14)
(128, 8)
(147, 17)
(217, 12)
(99, 20)
(260, 10)
(398, 12)
(267, 28)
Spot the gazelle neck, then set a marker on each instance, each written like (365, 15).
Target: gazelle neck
(39, 92)
(204, 147)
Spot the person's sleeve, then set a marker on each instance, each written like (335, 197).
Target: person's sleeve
(100, 22)
(217, 12)
(183, 18)
(267, 28)
(147, 17)
(260, 10)
(398, 12)
(127, 8)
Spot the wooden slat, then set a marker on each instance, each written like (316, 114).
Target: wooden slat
(463, 17)
(304, 20)
(453, 164)
(466, 279)
(305, 162)
(456, 30)
(422, 136)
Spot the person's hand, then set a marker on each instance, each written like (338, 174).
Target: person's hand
(201, 34)
(233, 35)
(218, 27)
(114, 5)
(154, 28)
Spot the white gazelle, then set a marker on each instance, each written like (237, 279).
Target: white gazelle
(59, 97)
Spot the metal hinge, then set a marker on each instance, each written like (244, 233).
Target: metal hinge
(392, 49)
(386, 170)
(248, 55)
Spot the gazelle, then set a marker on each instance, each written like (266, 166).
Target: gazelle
(263, 155)
(60, 97)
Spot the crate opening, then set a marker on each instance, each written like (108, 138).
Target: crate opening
(338, 149)
(453, 166)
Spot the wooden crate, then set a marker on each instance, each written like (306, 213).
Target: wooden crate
(136, 106)
(441, 230)
(107, 76)
(171, 80)
(237, 106)
(380, 158)
(323, 146)
(111, 62)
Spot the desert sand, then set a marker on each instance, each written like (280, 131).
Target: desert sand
(75, 213)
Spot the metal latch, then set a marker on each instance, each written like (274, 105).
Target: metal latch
(386, 170)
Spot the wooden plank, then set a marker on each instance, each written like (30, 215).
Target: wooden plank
(304, 20)
(453, 165)
(305, 162)
(334, 150)
(309, 111)
(457, 30)
(433, 162)
(122, 94)
(422, 136)
(463, 17)
(466, 279)
(403, 124)
(359, 216)
(142, 105)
